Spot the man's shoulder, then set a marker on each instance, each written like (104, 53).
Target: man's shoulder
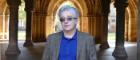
(84, 34)
(54, 36)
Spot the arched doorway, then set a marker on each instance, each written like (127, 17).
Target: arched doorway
(112, 25)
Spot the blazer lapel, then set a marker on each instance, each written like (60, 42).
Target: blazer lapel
(78, 45)
(58, 41)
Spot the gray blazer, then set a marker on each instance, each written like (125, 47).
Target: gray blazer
(85, 47)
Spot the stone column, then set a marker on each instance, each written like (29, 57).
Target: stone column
(138, 36)
(104, 23)
(97, 29)
(104, 32)
(28, 9)
(92, 25)
(120, 22)
(13, 27)
(83, 24)
(38, 27)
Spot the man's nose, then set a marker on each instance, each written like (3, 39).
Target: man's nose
(65, 21)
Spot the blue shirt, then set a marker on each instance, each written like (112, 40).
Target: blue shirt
(68, 48)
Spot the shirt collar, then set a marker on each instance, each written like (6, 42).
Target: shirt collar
(73, 38)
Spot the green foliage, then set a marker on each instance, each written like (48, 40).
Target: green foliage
(22, 14)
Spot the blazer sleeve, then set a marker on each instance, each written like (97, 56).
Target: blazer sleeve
(46, 53)
(92, 49)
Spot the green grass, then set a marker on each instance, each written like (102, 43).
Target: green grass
(111, 36)
(21, 35)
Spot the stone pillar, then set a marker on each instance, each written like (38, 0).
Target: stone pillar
(39, 27)
(1, 20)
(132, 28)
(104, 23)
(1, 26)
(28, 9)
(120, 22)
(92, 25)
(138, 36)
(104, 32)
(13, 27)
(98, 28)
(95, 27)
(93, 30)
(126, 25)
(83, 24)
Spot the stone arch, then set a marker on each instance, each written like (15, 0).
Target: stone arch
(81, 6)
(131, 21)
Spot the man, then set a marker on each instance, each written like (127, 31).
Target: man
(69, 44)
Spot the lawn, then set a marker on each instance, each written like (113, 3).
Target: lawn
(21, 35)
(111, 36)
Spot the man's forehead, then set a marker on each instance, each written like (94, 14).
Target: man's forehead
(68, 13)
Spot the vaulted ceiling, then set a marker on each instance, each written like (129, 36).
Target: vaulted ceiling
(44, 3)
(3, 7)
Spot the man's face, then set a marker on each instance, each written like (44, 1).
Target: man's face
(68, 20)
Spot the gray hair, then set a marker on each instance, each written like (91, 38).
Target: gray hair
(68, 8)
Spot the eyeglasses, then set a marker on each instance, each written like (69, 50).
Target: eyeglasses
(68, 19)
